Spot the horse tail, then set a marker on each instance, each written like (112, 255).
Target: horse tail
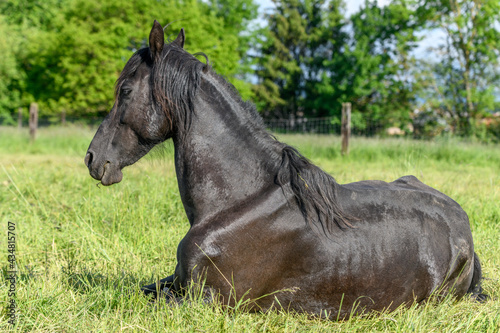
(475, 288)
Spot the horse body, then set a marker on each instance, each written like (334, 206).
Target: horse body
(260, 213)
(409, 238)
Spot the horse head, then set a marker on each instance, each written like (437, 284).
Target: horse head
(140, 116)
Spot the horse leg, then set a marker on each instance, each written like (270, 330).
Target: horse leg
(164, 289)
(164, 286)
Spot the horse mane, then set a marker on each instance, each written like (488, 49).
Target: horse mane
(314, 190)
(176, 79)
(131, 66)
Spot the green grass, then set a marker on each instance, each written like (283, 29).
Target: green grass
(84, 251)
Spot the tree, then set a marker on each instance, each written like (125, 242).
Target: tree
(291, 62)
(72, 51)
(374, 70)
(20, 19)
(237, 35)
(313, 60)
(10, 74)
(460, 85)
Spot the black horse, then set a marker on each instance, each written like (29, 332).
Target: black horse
(266, 224)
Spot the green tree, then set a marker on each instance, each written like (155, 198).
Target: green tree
(72, 51)
(236, 34)
(460, 86)
(374, 70)
(313, 60)
(20, 19)
(300, 35)
(10, 75)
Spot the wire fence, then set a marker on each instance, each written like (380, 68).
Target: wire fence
(419, 126)
(321, 125)
(54, 120)
(324, 125)
(329, 125)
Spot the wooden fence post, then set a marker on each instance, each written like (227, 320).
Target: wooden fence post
(20, 118)
(63, 118)
(346, 127)
(33, 120)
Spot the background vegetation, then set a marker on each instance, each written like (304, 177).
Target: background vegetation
(84, 251)
(303, 60)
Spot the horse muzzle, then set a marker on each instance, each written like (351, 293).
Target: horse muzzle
(107, 172)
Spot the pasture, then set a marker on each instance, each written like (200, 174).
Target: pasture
(84, 251)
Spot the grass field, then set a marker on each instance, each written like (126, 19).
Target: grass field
(84, 251)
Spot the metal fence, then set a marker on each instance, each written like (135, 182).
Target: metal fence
(322, 125)
(326, 125)
(54, 120)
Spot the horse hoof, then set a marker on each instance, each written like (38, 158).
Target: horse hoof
(481, 298)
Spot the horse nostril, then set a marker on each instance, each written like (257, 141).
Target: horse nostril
(88, 159)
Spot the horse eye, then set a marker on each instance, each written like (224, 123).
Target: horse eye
(126, 91)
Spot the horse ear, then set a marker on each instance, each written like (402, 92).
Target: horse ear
(181, 38)
(156, 40)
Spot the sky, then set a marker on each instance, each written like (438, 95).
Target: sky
(352, 5)
(430, 38)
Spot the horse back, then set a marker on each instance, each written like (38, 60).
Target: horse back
(413, 218)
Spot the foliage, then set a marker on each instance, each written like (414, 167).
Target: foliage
(9, 72)
(71, 51)
(301, 35)
(374, 70)
(313, 60)
(84, 251)
(461, 85)
(239, 35)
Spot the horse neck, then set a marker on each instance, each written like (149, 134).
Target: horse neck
(226, 157)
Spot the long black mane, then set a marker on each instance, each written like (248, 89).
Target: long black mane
(314, 190)
(176, 79)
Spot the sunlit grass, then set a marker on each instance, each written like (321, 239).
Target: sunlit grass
(83, 251)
